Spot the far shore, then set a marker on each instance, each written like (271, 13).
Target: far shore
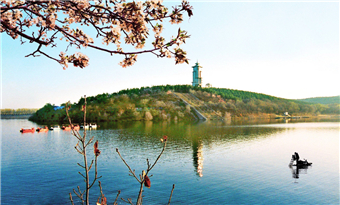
(15, 116)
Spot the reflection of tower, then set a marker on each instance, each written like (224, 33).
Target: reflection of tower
(196, 75)
(197, 147)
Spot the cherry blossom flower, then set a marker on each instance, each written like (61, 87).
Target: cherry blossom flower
(52, 21)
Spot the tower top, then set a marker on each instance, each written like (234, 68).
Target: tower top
(197, 65)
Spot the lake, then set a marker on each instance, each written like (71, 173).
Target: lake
(209, 163)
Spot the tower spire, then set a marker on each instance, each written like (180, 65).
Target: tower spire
(196, 75)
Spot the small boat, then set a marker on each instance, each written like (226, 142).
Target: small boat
(93, 126)
(32, 130)
(303, 163)
(89, 126)
(55, 127)
(82, 126)
(40, 129)
(76, 127)
(67, 128)
(299, 163)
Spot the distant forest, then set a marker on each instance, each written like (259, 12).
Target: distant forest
(159, 103)
(323, 100)
(20, 111)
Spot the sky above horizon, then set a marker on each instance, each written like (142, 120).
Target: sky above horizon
(284, 49)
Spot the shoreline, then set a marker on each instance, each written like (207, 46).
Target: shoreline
(15, 116)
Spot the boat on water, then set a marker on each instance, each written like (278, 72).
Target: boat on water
(82, 126)
(303, 163)
(69, 127)
(55, 127)
(299, 163)
(93, 125)
(42, 129)
(66, 128)
(89, 126)
(32, 130)
(76, 127)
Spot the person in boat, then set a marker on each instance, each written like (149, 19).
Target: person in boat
(296, 157)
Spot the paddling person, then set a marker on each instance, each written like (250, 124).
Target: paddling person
(297, 157)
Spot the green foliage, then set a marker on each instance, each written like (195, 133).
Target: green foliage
(48, 114)
(323, 100)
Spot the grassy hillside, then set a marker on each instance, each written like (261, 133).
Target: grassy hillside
(159, 103)
(323, 100)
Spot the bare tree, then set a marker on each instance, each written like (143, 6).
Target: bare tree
(81, 148)
(144, 179)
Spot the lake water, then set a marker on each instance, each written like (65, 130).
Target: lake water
(209, 163)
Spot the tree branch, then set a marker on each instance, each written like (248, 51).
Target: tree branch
(132, 172)
(16, 30)
(159, 156)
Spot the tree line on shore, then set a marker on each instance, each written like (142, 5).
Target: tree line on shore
(323, 100)
(20, 111)
(158, 103)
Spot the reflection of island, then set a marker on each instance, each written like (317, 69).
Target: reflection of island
(197, 146)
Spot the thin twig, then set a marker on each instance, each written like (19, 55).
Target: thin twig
(82, 175)
(159, 156)
(77, 193)
(90, 141)
(101, 190)
(82, 153)
(115, 203)
(96, 173)
(71, 199)
(132, 172)
(80, 195)
(128, 201)
(81, 165)
(172, 190)
(91, 164)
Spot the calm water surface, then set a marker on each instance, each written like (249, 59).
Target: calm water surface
(209, 163)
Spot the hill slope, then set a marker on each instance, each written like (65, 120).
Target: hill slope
(323, 100)
(159, 103)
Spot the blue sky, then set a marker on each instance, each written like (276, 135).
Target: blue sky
(284, 49)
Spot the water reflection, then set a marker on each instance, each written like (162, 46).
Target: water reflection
(197, 146)
(286, 120)
(296, 171)
(253, 153)
(182, 135)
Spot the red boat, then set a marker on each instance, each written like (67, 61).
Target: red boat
(32, 130)
(40, 129)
